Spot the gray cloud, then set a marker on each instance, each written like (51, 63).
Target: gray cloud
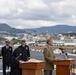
(28, 13)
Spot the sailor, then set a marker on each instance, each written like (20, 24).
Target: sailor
(20, 54)
(6, 52)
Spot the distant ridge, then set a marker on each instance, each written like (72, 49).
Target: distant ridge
(54, 29)
(50, 29)
(7, 28)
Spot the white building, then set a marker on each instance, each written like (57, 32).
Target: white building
(28, 37)
(71, 42)
(58, 42)
(10, 37)
(66, 42)
(38, 38)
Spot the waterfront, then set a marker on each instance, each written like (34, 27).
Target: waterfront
(39, 55)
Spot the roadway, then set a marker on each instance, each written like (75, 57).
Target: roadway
(39, 55)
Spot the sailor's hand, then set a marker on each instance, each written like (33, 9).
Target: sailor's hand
(20, 61)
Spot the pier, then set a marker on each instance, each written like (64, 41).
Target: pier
(54, 47)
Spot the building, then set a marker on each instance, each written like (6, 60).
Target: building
(65, 42)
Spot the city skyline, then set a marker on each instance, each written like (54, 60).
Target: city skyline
(37, 13)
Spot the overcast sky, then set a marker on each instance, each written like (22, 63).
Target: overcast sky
(37, 13)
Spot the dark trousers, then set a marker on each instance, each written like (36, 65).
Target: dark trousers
(5, 65)
(47, 72)
(16, 71)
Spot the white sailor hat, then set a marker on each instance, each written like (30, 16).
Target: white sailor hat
(7, 41)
